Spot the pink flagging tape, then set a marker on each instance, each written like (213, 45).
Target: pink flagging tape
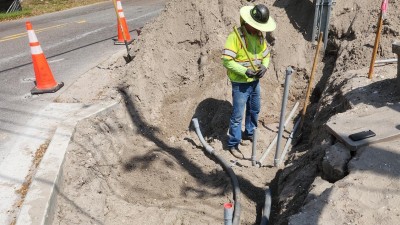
(384, 7)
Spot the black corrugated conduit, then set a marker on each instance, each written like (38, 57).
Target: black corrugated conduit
(227, 169)
(267, 207)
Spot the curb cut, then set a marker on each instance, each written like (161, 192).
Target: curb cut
(40, 201)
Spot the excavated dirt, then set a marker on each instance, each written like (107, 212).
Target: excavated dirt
(142, 163)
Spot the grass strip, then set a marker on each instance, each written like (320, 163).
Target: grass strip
(39, 7)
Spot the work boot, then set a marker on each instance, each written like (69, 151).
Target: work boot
(247, 137)
(236, 152)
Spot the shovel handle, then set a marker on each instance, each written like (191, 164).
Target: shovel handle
(244, 47)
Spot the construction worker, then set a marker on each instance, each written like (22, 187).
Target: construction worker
(245, 81)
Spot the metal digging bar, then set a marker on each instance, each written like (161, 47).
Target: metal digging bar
(289, 141)
(228, 170)
(254, 148)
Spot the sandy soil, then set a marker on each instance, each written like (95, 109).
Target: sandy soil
(142, 163)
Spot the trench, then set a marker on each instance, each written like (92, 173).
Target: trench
(143, 164)
(291, 185)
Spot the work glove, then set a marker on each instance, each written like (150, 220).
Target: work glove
(261, 72)
(250, 73)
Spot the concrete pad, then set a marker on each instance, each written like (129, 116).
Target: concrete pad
(383, 121)
(370, 194)
(41, 197)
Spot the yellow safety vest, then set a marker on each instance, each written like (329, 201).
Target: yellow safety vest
(235, 59)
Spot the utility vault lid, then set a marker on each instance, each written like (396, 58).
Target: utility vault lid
(384, 122)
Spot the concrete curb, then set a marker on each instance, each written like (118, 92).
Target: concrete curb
(40, 201)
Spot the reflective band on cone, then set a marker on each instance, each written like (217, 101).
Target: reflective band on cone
(45, 82)
(36, 50)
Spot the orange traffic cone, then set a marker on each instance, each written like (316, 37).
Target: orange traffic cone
(122, 21)
(45, 82)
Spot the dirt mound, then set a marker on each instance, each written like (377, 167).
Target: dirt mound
(142, 164)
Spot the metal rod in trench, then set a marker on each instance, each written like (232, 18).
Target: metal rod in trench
(382, 61)
(271, 145)
(254, 148)
(122, 30)
(289, 141)
(278, 152)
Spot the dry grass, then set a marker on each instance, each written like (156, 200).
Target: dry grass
(38, 7)
(23, 190)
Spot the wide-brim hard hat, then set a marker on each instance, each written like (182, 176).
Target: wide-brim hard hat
(245, 13)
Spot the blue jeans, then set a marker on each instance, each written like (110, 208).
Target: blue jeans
(244, 95)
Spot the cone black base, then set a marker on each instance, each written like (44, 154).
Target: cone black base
(36, 91)
(116, 42)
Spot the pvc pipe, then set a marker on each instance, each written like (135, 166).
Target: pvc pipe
(289, 141)
(227, 169)
(208, 148)
(394, 60)
(289, 72)
(267, 207)
(253, 148)
(228, 213)
(276, 137)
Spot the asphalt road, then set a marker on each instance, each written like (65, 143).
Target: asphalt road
(74, 41)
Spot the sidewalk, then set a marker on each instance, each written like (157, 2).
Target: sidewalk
(18, 164)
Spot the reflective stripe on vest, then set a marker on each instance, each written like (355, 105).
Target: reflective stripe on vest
(229, 53)
(247, 63)
(256, 62)
(266, 52)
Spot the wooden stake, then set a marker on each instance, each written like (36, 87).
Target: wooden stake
(376, 45)
(303, 113)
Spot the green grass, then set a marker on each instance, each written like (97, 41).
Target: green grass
(38, 7)
(15, 15)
